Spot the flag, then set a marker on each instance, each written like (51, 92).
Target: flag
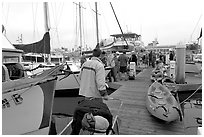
(200, 34)
(3, 28)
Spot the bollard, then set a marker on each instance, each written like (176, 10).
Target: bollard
(180, 64)
(172, 69)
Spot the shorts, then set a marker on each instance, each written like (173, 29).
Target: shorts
(123, 69)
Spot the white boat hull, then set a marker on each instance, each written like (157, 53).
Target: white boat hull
(70, 82)
(27, 109)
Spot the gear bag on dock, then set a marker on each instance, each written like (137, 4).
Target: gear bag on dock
(91, 107)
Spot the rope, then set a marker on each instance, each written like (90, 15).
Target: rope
(191, 94)
(7, 13)
(29, 87)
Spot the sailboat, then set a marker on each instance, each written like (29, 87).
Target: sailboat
(27, 102)
(27, 105)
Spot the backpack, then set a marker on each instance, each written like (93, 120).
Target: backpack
(93, 106)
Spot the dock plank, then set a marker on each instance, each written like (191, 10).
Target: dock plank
(135, 119)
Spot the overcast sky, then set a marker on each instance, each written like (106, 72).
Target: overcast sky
(170, 21)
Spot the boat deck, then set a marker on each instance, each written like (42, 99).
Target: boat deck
(135, 119)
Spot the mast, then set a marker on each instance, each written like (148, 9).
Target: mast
(80, 33)
(96, 22)
(47, 27)
(46, 17)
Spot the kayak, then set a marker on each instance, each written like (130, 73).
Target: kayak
(157, 75)
(161, 103)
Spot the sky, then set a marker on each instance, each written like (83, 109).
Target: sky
(170, 21)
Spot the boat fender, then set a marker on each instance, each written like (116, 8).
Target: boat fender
(179, 111)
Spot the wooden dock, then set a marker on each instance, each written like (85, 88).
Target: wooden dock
(135, 119)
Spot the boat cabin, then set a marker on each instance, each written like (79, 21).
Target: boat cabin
(11, 61)
(133, 42)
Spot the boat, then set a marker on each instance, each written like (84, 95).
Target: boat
(170, 84)
(157, 75)
(161, 103)
(27, 104)
(123, 42)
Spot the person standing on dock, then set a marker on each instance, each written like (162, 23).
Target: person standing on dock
(111, 63)
(123, 59)
(133, 58)
(117, 65)
(153, 59)
(103, 58)
(92, 88)
(83, 59)
(150, 58)
(92, 78)
(171, 56)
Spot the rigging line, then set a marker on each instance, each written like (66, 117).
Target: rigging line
(191, 94)
(57, 23)
(93, 16)
(4, 15)
(76, 29)
(34, 21)
(195, 27)
(118, 23)
(7, 13)
(54, 11)
(74, 21)
(60, 13)
(105, 20)
(83, 28)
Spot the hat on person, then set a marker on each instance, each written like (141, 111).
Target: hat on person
(96, 52)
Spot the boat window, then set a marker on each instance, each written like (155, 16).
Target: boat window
(11, 59)
(15, 70)
(5, 74)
